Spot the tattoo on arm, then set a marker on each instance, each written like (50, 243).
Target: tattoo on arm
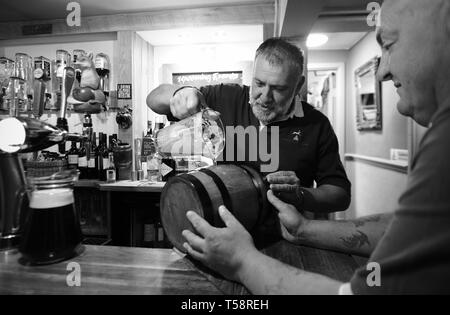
(356, 240)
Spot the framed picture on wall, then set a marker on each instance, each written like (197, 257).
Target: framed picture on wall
(368, 97)
(124, 91)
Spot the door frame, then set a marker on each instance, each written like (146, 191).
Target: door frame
(338, 120)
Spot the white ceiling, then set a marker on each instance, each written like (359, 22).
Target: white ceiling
(205, 35)
(26, 10)
(341, 41)
(236, 34)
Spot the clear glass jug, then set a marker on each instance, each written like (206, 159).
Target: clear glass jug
(201, 134)
(52, 231)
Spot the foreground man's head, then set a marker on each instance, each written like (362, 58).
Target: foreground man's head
(414, 36)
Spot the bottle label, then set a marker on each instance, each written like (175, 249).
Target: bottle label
(60, 68)
(165, 169)
(99, 63)
(110, 176)
(148, 146)
(91, 163)
(152, 164)
(72, 159)
(82, 162)
(105, 163)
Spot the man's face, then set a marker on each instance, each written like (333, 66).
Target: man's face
(411, 55)
(273, 89)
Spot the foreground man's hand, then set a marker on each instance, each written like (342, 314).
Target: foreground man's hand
(222, 249)
(293, 224)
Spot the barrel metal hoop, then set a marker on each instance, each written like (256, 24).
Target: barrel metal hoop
(222, 188)
(260, 191)
(203, 195)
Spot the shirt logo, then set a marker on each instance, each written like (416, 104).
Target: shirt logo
(297, 136)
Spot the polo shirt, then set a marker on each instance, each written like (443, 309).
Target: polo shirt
(414, 253)
(307, 143)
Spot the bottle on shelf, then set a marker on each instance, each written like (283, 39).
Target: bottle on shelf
(102, 66)
(103, 158)
(149, 235)
(92, 161)
(72, 156)
(111, 170)
(82, 160)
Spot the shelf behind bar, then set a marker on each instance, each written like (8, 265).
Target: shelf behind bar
(122, 185)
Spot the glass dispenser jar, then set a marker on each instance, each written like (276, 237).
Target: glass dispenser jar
(52, 230)
(24, 70)
(6, 72)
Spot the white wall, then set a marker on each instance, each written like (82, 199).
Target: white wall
(103, 122)
(374, 189)
(202, 58)
(327, 56)
(334, 60)
(395, 128)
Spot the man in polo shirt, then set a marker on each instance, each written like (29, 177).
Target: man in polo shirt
(410, 248)
(308, 148)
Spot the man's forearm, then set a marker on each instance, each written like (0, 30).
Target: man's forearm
(325, 199)
(257, 275)
(159, 99)
(359, 236)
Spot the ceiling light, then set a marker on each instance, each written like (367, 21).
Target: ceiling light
(316, 40)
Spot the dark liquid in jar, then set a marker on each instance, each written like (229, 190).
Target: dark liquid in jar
(52, 231)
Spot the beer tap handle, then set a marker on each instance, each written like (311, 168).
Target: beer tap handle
(75, 137)
(38, 98)
(67, 83)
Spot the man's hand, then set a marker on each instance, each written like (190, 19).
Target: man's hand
(293, 224)
(221, 249)
(186, 102)
(285, 185)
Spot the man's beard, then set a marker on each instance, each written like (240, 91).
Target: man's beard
(269, 114)
(264, 115)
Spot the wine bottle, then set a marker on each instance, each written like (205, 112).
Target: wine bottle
(82, 161)
(72, 156)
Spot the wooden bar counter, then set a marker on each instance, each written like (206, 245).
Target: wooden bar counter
(128, 270)
(107, 270)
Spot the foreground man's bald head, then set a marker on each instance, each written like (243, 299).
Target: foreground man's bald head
(415, 39)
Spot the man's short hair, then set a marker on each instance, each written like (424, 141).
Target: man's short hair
(278, 50)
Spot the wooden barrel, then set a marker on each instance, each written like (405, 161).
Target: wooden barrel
(240, 188)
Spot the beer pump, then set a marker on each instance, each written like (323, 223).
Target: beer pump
(67, 82)
(23, 135)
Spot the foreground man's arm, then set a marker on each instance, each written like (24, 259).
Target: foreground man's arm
(231, 252)
(359, 236)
